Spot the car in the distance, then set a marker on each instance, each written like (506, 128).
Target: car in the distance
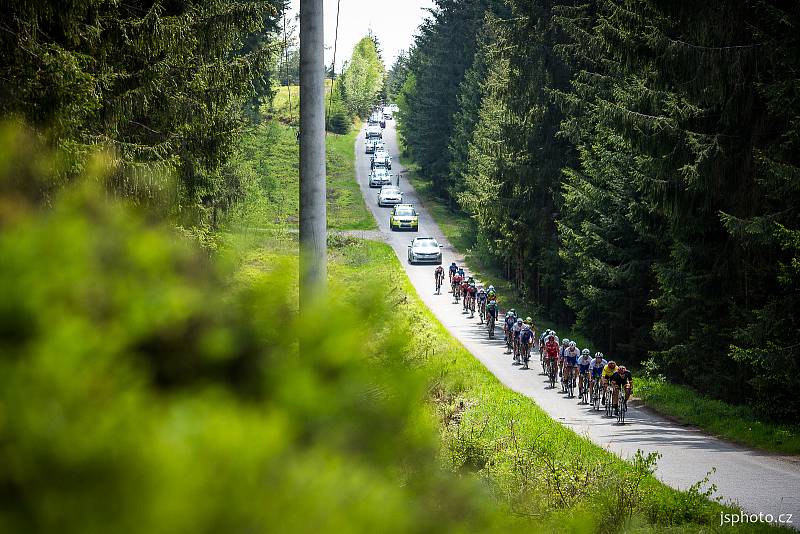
(424, 250)
(375, 145)
(380, 177)
(387, 113)
(390, 195)
(381, 160)
(404, 217)
(374, 132)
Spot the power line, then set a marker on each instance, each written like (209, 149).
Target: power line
(286, 64)
(333, 68)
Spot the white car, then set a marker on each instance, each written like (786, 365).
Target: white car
(374, 132)
(375, 145)
(380, 177)
(424, 249)
(394, 107)
(390, 195)
(387, 113)
(381, 160)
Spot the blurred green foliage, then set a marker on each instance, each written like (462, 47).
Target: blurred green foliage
(141, 391)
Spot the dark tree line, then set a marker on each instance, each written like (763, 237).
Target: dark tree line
(163, 83)
(634, 165)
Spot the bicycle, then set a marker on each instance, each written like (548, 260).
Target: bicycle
(482, 311)
(525, 349)
(622, 407)
(609, 402)
(595, 394)
(570, 385)
(552, 372)
(583, 387)
(439, 281)
(472, 306)
(490, 326)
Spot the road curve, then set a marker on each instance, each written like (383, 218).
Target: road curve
(755, 481)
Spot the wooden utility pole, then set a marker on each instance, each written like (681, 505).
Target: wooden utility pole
(313, 217)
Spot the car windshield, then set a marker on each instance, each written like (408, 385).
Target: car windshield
(390, 191)
(426, 244)
(405, 212)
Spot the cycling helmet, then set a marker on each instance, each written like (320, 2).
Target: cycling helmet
(598, 354)
(623, 368)
(491, 287)
(565, 341)
(508, 313)
(512, 311)
(612, 364)
(519, 321)
(585, 352)
(453, 264)
(571, 344)
(472, 285)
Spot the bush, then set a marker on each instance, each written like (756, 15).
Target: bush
(140, 392)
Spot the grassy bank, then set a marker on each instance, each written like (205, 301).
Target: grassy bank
(735, 423)
(269, 156)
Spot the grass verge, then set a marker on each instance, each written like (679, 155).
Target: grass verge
(735, 423)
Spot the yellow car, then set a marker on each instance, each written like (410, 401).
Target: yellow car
(404, 217)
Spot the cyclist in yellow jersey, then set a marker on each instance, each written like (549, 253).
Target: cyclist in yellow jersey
(608, 370)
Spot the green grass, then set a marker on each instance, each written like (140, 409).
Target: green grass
(735, 423)
(284, 96)
(346, 208)
(269, 159)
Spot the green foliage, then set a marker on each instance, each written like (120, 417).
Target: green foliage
(740, 424)
(362, 78)
(442, 53)
(161, 83)
(141, 391)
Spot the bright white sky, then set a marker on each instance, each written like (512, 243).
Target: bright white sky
(394, 22)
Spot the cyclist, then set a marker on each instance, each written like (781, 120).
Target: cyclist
(453, 271)
(526, 337)
(438, 275)
(598, 364)
(583, 369)
(517, 328)
(472, 291)
(491, 294)
(508, 327)
(571, 354)
(551, 351)
(480, 296)
(491, 316)
(455, 285)
(621, 378)
(464, 293)
(608, 371)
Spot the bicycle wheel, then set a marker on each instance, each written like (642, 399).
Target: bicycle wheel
(621, 408)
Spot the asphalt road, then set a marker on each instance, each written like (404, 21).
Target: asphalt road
(755, 481)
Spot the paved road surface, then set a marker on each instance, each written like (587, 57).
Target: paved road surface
(758, 482)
